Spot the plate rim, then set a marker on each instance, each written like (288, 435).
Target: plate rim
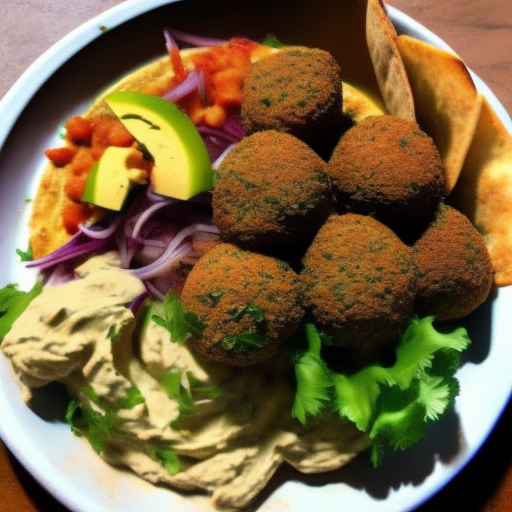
(54, 57)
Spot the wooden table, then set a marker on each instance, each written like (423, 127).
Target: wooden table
(479, 30)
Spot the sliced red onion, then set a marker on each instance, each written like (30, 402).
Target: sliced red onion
(170, 42)
(221, 157)
(154, 291)
(76, 247)
(193, 82)
(137, 303)
(152, 196)
(146, 214)
(217, 133)
(60, 273)
(234, 127)
(159, 265)
(97, 232)
(192, 39)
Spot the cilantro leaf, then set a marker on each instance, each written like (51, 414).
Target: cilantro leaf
(12, 304)
(272, 41)
(167, 458)
(198, 388)
(392, 404)
(95, 426)
(313, 379)
(244, 341)
(357, 394)
(171, 382)
(133, 397)
(25, 255)
(171, 316)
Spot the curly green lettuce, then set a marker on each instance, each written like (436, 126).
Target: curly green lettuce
(13, 302)
(392, 404)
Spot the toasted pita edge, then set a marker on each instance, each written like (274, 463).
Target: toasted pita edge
(484, 190)
(446, 100)
(390, 72)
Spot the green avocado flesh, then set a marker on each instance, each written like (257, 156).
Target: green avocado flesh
(182, 167)
(108, 182)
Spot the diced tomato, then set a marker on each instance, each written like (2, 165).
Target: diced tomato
(75, 187)
(224, 69)
(180, 73)
(227, 85)
(73, 214)
(61, 156)
(82, 162)
(109, 131)
(215, 116)
(79, 130)
(77, 172)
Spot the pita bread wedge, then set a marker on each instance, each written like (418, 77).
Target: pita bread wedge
(391, 76)
(484, 190)
(446, 100)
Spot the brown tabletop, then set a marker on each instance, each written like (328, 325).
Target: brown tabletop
(479, 30)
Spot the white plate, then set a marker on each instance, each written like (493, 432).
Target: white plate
(60, 83)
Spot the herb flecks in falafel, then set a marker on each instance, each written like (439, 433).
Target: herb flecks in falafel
(297, 90)
(388, 167)
(257, 304)
(359, 282)
(455, 273)
(271, 190)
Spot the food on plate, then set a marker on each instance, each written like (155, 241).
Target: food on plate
(56, 346)
(388, 167)
(447, 103)
(58, 209)
(484, 190)
(246, 304)
(387, 62)
(359, 282)
(296, 90)
(113, 176)
(455, 273)
(181, 163)
(357, 106)
(271, 190)
(227, 356)
(147, 403)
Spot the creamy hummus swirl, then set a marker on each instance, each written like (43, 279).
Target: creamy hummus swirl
(238, 430)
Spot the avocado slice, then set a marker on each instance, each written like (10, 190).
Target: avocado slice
(182, 165)
(111, 178)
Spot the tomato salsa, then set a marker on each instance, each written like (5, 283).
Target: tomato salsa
(223, 67)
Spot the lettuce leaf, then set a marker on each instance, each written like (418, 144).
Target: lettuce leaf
(392, 404)
(313, 379)
(13, 302)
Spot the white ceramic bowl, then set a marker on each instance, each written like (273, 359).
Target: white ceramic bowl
(61, 83)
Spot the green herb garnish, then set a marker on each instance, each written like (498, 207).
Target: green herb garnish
(392, 404)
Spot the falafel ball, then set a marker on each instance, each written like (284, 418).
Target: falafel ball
(247, 303)
(455, 273)
(296, 90)
(271, 190)
(359, 282)
(388, 167)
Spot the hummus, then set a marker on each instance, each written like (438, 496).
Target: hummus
(229, 428)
